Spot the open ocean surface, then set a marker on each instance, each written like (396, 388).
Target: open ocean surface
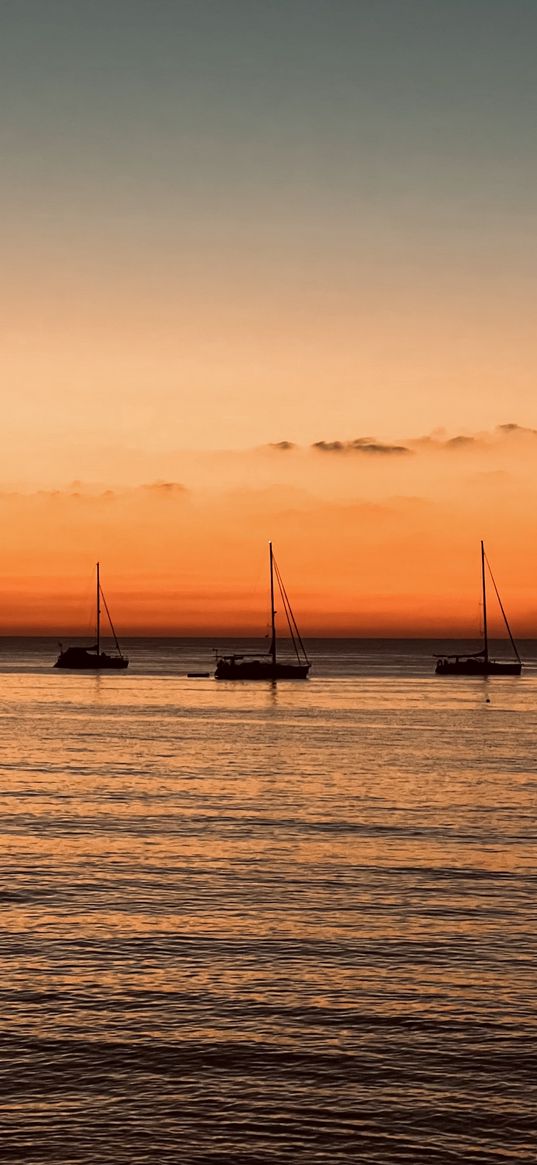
(246, 923)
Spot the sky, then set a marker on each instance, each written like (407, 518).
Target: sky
(231, 224)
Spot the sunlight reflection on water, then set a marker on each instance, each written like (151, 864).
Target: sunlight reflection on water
(245, 924)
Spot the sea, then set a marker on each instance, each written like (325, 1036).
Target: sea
(267, 924)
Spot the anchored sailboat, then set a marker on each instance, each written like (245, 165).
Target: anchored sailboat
(92, 658)
(480, 664)
(268, 667)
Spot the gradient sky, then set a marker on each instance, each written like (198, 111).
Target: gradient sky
(227, 223)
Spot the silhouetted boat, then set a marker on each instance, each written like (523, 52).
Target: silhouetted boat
(92, 658)
(480, 663)
(258, 666)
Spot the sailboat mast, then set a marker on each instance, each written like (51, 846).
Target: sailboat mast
(98, 609)
(483, 582)
(272, 611)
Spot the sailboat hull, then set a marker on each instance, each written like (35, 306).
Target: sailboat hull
(79, 659)
(259, 669)
(92, 658)
(479, 663)
(268, 667)
(476, 667)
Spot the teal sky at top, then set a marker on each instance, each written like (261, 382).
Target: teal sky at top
(283, 127)
(266, 98)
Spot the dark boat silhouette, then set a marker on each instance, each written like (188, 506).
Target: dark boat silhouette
(92, 658)
(480, 663)
(260, 666)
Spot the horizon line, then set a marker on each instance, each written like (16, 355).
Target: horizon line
(285, 638)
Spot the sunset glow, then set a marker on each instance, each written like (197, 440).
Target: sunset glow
(267, 274)
(374, 538)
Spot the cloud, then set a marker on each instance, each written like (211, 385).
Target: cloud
(439, 442)
(472, 442)
(513, 428)
(165, 488)
(79, 492)
(490, 475)
(366, 445)
(460, 442)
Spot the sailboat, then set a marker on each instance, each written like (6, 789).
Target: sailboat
(480, 663)
(256, 666)
(92, 658)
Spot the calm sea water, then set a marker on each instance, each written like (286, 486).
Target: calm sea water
(266, 924)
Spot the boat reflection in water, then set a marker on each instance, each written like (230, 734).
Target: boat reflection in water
(92, 658)
(268, 666)
(480, 663)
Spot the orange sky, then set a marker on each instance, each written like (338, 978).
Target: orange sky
(373, 538)
(108, 364)
(226, 226)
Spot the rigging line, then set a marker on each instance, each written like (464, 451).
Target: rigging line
(287, 607)
(299, 637)
(110, 620)
(505, 619)
(288, 612)
(294, 622)
(297, 632)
